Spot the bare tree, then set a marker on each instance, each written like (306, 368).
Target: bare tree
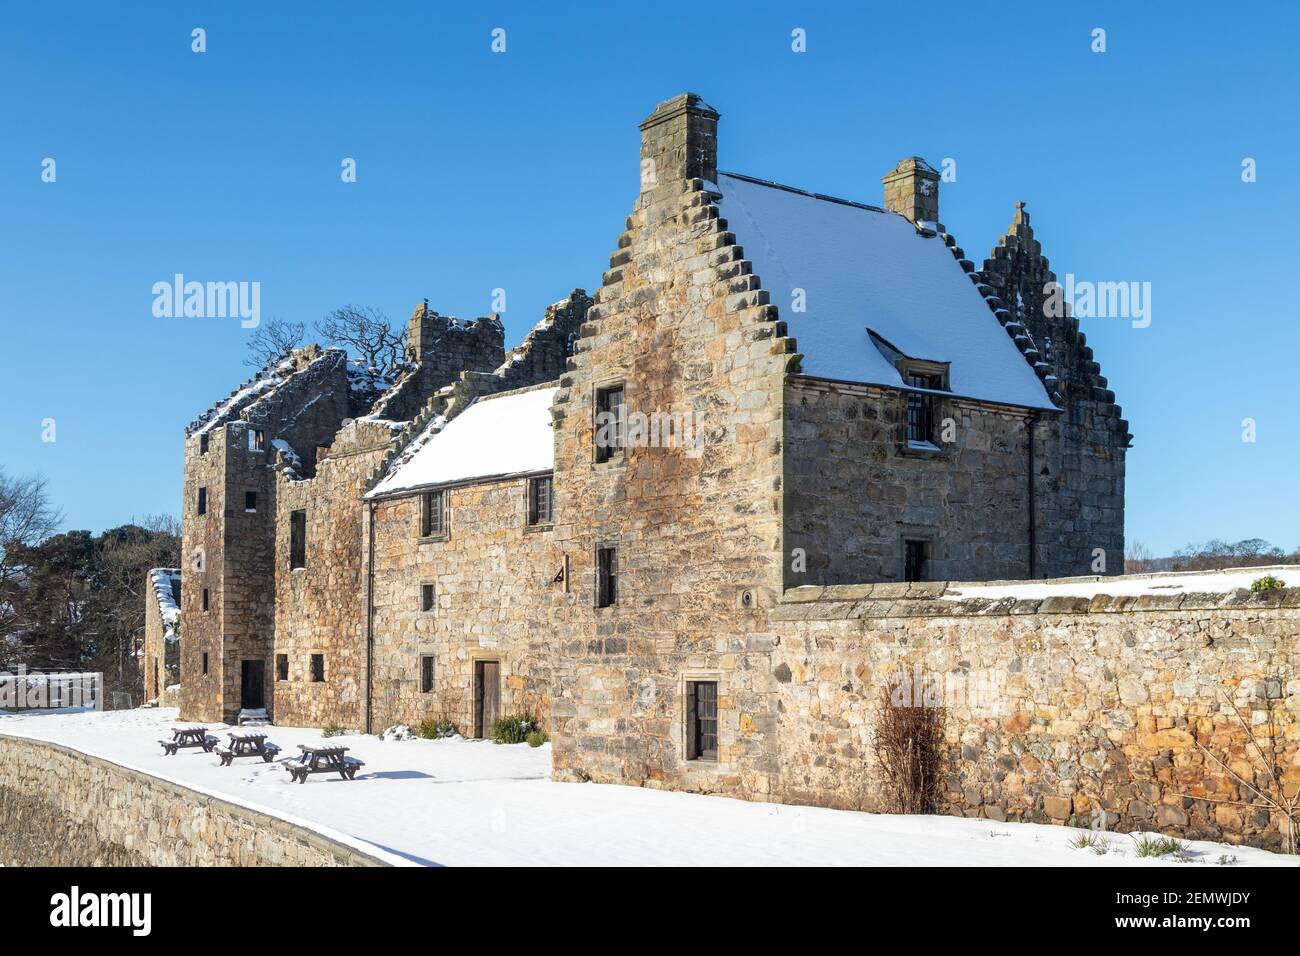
(272, 339)
(1269, 790)
(162, 523)
(26, 518)
(1137, 558)
(368, 334)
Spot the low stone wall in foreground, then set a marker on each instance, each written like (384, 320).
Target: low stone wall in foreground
(1094, 712)
(60, 807)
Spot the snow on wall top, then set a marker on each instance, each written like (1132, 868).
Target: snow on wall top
(865, 268)
(170, 611)
(273, 374)
(1166, 583)
(494, 436)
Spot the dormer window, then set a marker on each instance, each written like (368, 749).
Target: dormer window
(920, 378)
(920, 408)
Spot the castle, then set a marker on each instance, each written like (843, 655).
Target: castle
(772, 391)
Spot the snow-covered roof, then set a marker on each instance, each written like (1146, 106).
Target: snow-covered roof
(168, 609)
(862, 268)
(495, 436)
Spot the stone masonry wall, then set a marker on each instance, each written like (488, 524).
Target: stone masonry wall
(320, 609)
(854, 490)
(161, 657)
(305, 409)
(543, 354)
(1059, 710)
(1080, 455)
(202, 558)
(495, 599)
(684, 326)
(59, 807)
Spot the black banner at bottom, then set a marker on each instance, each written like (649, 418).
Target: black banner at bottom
(143, 905)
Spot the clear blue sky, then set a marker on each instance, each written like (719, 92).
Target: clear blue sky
(479, 170)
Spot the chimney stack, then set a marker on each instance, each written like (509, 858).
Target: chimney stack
(912, 190)
(679, 141)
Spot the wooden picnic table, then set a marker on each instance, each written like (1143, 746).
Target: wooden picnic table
(247, 743)
(326, 759)
(185, 737)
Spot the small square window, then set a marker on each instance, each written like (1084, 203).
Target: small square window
(205, 599)
(606, 577)
(433, 514)
(281, 667)
(203, 444)
(426, 598)
(426, 673)
(701, 720)
(250, 501)
(256, 439)
(610, 422)
(317, 668)
(203, 501)
(916, 559)
(297, 539)
(205, 662)
(539, 500)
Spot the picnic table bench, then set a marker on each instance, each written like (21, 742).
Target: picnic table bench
(247, 743)
(323, 760)
(184, 737)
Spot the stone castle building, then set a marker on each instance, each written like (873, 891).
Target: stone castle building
(772, 390)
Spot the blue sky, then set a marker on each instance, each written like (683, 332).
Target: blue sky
(479, 171)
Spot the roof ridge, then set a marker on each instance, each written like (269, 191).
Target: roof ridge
(803, 192)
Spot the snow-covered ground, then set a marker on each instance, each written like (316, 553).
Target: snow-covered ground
(463, 802)
(1182, 582)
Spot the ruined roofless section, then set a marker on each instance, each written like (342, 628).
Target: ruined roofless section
(301, 437)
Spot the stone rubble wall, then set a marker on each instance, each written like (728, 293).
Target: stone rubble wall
(543, 354)
(853, 489)
(306, 410)
(1080, 455)
(161, 658)
(320, 609)
(684, 325)
(60, 807)
(1058, 710)
(495, 599)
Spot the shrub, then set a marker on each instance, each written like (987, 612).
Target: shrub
(908, 744)
(1267, 583)
(398, 732)
(1151, 845)
(1091, 841)
(513, 729)
(536, 738)
(437, 728)
(332, 730)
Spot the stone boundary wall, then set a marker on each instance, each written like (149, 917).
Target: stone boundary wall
(1085, 711)
(61, 807)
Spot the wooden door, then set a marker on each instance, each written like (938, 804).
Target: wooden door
(487, 696)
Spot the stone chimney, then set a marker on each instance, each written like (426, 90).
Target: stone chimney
(912, 190)
(679, 141)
